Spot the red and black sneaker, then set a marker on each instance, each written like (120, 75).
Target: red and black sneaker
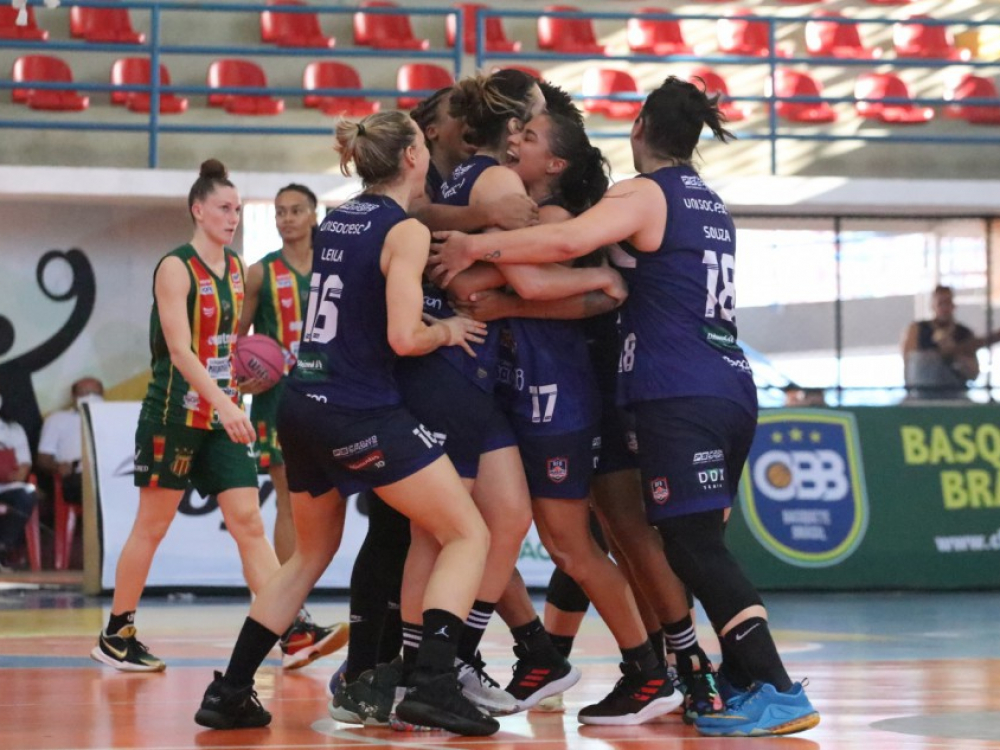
(305, 642)
(637, 698)
(535, 680)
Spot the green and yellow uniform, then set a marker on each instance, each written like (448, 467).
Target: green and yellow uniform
(179, 438)
(284, 295)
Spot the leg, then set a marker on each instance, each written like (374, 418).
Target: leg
(241, 511)
(284, 526)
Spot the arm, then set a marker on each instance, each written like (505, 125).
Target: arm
(910, 340)
(507, 212)
(494, 304)
(251, 296)
(23, 453)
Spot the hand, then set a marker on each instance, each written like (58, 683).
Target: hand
(236, 424)
(512, 211)
(460, 331)
(450, 255)
(616, 288)
(487, 305)
(253, 386)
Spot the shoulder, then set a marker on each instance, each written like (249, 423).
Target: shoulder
(409, 230)
(552, 214)
(496, 176)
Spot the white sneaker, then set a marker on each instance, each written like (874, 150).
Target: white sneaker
(483, 690)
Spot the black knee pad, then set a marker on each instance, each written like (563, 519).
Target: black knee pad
(696, 550)
(564, 593)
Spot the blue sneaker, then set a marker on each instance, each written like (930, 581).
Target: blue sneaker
(762, 711)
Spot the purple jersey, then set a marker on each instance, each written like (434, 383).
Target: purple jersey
(679, 322)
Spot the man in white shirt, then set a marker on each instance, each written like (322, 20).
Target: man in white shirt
(60, 447)
(17, 497)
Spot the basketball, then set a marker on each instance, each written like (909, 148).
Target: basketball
(260, 357)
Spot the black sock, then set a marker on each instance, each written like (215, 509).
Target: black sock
(117, 622)
(439, 645)
(535, 639)
(683, 643)
(659, 646)
(731, 668)
(751, 643)
(642, 658)
(391, 638)
(475, 626)
(563, 643)
(252, 647)
(362, 646)
(412, 634)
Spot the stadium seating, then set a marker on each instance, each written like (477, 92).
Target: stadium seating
(597, 81)
(967, 90)
(10, 30)
(825, 38)
(385, 30)
(292, 29)
(47, 69)
(716, 84)
(649, 36)
(568, 35)
(103, 25)
(911, 38)
(65, 518)
(496, 40)
(888, 86)
(420, 77)
(230, 73)
(335, 75)
(136, 71)
(788, 83)
(741, 35)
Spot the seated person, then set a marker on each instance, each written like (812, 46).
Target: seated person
(17, 497)
(60, 447)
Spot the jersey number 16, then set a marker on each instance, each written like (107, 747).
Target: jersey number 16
(321, 317)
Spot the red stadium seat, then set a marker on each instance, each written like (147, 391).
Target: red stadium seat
(103, 25)
(796, 83)
(66, 516)
(740, 35)
(831, 39)
(136, 71)
(420, 77)
(888, 86)
(239, 73)
(716, 84)
(969, 90)
(10, 30)
(335, 75)
(598, 81)
(570, 35)
(496, 40)
(656, 36)
(292, 29)
(48, 69)
(911, 38)
(385, 30)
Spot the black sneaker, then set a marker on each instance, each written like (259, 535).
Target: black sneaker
(226, 707)
(437, 702)
(368, 700)
(701, 695)
(636, 699)
(125, 652)
(534, 680)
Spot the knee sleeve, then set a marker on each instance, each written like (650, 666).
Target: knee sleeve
(696, 550)
(564, 593)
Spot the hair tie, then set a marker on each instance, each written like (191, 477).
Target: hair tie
(361, 129)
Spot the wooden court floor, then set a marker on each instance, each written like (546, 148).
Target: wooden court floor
(894, 671)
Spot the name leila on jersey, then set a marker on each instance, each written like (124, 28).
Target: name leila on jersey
(333, 255)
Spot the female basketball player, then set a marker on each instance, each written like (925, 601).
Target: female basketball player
(344, 428)
(192, 429)
(685, 378)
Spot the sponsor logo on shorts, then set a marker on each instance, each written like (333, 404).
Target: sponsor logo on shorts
(355, 448)
(557, 469)
(712, 479)
(707, 457)
(181, 464)
(660, 490)
(374, 459)
(318, 397)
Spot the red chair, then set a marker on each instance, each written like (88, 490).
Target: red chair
(911, 38)
(48, 69)
(656, 37)
(971, 89)
(716, 84)
(136, 71)
(292, 29)
(831, 39)
(231, 73)
(740, 35)
(420, 77)
(66, 516)
(796, 83)
(335, 75)
(385, 30)
(570, 35)
(103, 25)
(888, 86)
(597, 81)
(496, 40)
(10, 30)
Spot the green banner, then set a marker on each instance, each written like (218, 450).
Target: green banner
(872, 498)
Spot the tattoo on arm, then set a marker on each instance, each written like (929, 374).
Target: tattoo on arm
(492, 255)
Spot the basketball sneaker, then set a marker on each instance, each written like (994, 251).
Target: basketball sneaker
(635, 699)
(483, 690)
(305, 642)
(761, 711)
(125, 652)
(701, 695)
(436, 701)
(368, 700)
(336, 678)
(534, 680)
(228, 707)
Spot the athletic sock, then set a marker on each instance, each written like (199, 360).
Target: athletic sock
(117, 622)
(412, 635)
(391, 637)
(659, 646)
(439, 645)
(732, 669)
(753, 646)
(683, 642)
(534, 638)
(362, 646)
(475, 627)
(252, 647)
(642, 658)
(563, 643)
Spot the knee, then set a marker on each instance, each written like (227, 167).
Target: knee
(245, 524)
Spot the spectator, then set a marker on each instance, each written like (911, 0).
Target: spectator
(17, 497)
(799, 396)
(60, 446)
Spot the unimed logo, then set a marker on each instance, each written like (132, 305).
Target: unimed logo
(803, 492)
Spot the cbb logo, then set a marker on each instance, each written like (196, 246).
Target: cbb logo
(801, 474)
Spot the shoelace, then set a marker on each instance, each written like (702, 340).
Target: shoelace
(479, 668)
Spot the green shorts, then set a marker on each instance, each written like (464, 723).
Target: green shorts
(173, 456)
(264, 417)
